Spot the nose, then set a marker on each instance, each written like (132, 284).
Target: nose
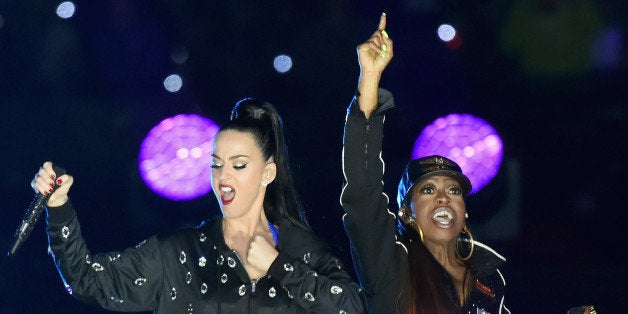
(220, 174)
(441, 198)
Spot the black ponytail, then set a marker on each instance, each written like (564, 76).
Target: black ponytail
(262, 120)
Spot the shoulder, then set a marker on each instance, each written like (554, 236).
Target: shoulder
(486, 262)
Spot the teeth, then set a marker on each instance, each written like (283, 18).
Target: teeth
(443, 213)
(225, 189)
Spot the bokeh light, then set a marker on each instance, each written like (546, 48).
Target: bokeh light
(282, 63)
(173, 83)
(66, 9)
(180, 54)
(469, 141)
(174, 159)
(446, 32)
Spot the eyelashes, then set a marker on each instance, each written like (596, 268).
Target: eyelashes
(431, 189)
(236, 166)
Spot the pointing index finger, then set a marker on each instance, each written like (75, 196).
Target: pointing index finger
(382, 22)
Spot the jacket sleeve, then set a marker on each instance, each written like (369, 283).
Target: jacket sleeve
(367, 220)
(120, 281)
(316, 279)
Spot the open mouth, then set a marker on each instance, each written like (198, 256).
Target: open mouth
(443, 217)
(227, 194)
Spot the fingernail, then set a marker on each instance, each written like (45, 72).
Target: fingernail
(384, 48)
(384, 13)
(51, 191)
(52, 184)
(52, 176)
(384, 33)
(59, 181)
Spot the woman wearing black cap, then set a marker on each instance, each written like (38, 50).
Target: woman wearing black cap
(423, 260)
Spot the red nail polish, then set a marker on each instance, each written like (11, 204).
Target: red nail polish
(52, 185)
(51, 191)
(59, 181)
(52, 176)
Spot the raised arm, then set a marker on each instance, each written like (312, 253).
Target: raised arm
(368, 223)
(124, 281)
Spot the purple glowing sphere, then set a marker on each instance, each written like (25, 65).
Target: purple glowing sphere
(469, 141)
(175, 157)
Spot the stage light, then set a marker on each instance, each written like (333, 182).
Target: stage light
(282, 63)
(469, 141)
(173, 83)
(66, 9)
(175, 157)
(446, 32)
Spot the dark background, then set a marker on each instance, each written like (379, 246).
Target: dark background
(550, 76)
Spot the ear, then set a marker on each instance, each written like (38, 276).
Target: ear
(270, 173)
(405, 214)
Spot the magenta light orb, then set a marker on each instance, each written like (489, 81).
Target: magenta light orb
(175, 157)
(469, 141)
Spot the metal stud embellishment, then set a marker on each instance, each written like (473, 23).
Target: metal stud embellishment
(140, 281)
(307, 257)
(203, 288)
(342, 312)
(173, 294)
(272, 292)
(288, 267)
(190, 308)
(65, 232)
(242, 290)
(336, 290)
(202, 237)
(188, 278)
(220, 260)
(116, 300)
(312, 273)
(88, 259)
(231, 262)
(97, 267)
(338, 264)
(309, 297)
(113, 256)
(224, 278)
(140, 244)
(182, 257)
(202, 261)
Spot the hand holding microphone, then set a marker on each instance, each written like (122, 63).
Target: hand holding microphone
(51, 184)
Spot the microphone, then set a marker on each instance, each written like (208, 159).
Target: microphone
(32, 215)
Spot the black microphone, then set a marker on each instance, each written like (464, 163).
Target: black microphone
(32, 215)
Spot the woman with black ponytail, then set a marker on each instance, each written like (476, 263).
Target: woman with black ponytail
(260, 256)
(422, 259)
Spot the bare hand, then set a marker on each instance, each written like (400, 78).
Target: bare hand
(44, 181)
(261, 253)
(375, 54)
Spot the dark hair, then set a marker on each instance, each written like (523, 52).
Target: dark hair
(428, 288)
(262, 120)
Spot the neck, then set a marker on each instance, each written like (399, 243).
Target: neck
(444, 253)
(248, 225)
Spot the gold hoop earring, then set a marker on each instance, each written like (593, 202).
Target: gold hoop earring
(466, 258)
(420, 231)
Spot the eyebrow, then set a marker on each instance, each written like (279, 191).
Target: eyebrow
(232, 157)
